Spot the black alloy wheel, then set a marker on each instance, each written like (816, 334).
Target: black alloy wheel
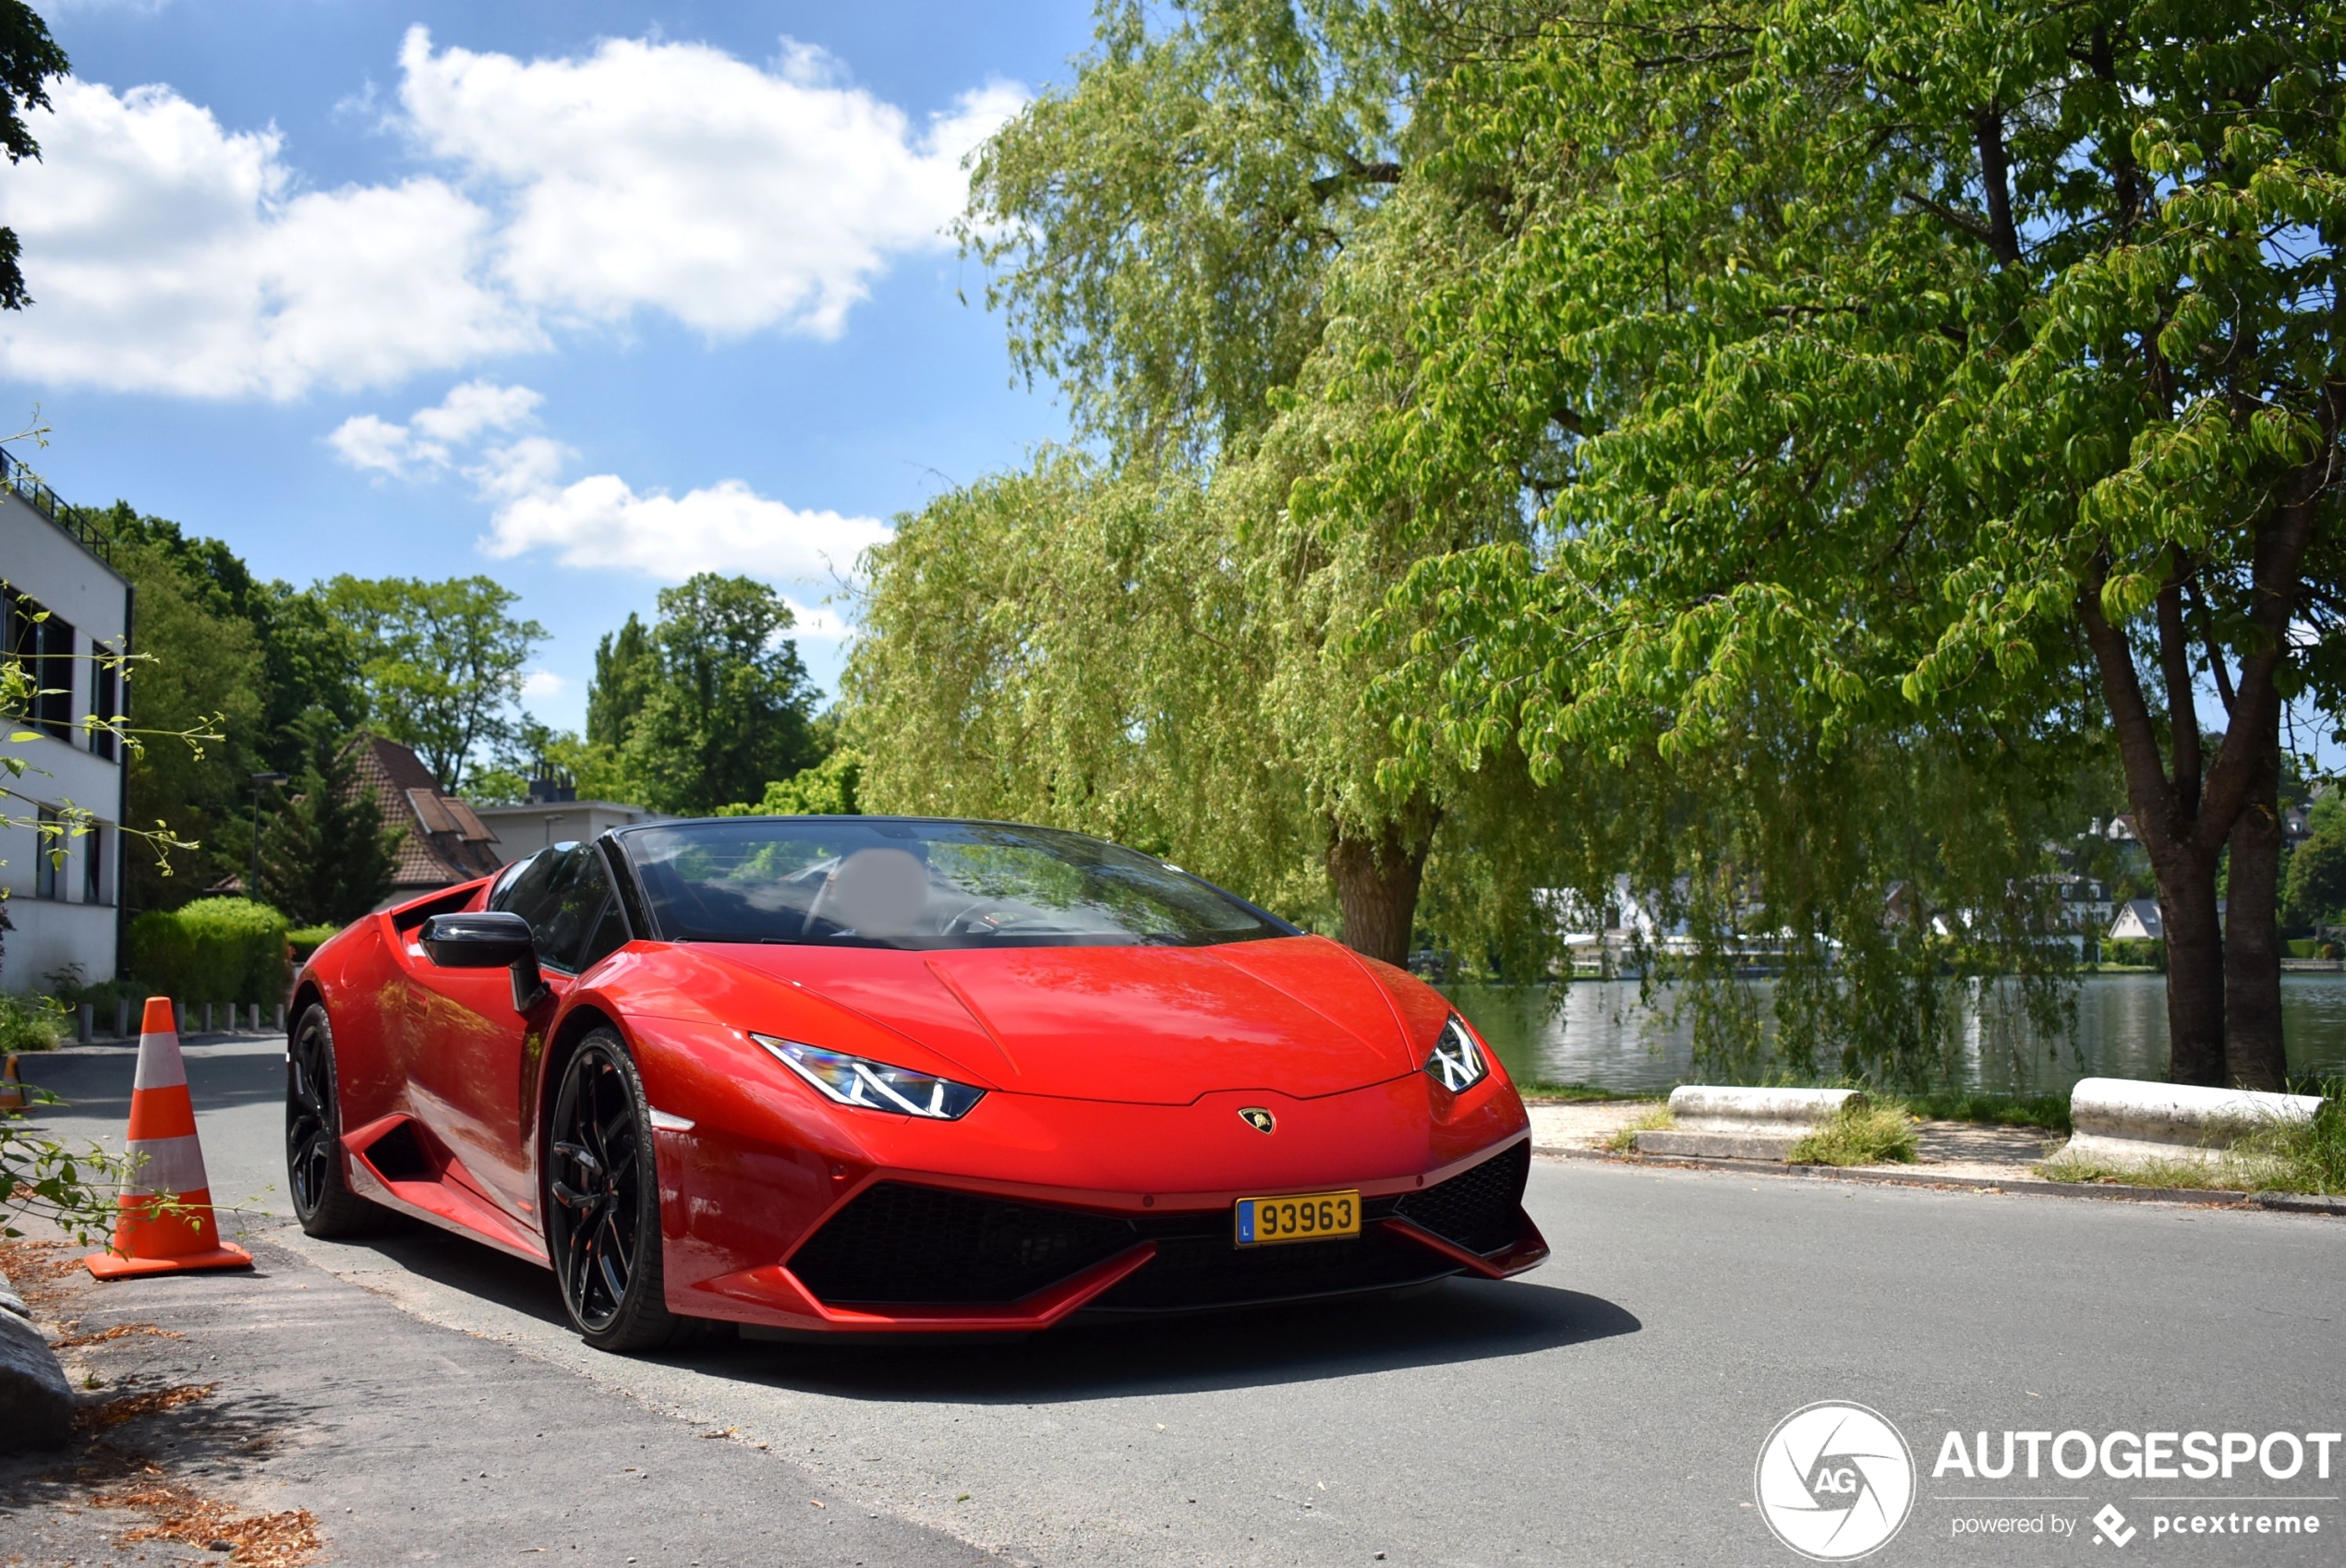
(602, 1208)
(314, 1161)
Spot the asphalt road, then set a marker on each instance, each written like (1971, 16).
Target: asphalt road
(1608, 1408)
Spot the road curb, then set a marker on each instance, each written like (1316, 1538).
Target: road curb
(2206, 1197)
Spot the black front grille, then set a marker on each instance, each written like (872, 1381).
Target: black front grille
(898, 1243)
(1196, 1268)
(1476, 1208)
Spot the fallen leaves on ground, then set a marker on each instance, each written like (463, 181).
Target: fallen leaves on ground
(130, 1406)
(269, 1540)
(120, 1331)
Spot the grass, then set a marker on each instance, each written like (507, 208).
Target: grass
(1860, 1135)
(1625, 1142)
(2049, 1110)
(1573, 1094)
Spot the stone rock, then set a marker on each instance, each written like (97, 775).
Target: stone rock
(1718, 1122)
(36, 1404)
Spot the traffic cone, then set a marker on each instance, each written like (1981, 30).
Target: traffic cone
(11, 1086)
(162, 1128)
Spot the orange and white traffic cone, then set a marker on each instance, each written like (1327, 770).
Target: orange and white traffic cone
(12, 1095)
(183, 1235)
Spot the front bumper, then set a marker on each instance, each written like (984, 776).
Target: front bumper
(902, 1257)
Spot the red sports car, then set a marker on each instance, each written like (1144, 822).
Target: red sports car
(882, 1074)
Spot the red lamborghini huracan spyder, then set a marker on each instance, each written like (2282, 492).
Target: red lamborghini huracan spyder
(875, 1074)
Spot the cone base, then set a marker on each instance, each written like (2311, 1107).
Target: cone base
(111, 1266)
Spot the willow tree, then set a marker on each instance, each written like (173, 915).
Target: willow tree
(1901, 366)
(1147, 641)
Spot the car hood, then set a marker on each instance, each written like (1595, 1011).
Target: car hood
(1142, 1025)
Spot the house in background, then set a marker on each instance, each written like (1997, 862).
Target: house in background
(554, 815)
(65, 915)
(444, 843)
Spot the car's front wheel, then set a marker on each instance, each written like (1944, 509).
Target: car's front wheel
(602, 1201)
(315, 1168)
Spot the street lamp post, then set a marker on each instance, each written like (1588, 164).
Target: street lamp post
(259, 781)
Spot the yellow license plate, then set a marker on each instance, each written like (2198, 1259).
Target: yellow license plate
(1307, 1216)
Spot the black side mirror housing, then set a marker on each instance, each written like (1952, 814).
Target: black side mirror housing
(487, 939)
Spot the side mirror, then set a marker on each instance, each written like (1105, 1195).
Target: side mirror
(490, 939)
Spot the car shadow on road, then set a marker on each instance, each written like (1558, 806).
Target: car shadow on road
(1450, 1323)
(1457, 1322)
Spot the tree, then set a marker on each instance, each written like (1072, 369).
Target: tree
(728, 707)
(205, 672)
(327, 857)
(29, 59)
(1894, 365)
(309, 658)
(442, 662)
(2316, 883)
(625, 668)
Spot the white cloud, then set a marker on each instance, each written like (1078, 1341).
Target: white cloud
(543, 683)
(601, 521)
(368, 441)
(675, 178)
(817, 623)
(167, 254)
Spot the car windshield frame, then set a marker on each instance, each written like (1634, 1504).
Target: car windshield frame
(803, 880)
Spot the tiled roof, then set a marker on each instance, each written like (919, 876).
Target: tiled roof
(444, 843)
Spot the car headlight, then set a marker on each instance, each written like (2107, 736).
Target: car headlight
(1458, 1063)
(874, 1086)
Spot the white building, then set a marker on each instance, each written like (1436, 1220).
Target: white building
(2138, 920)
(65, 914)
(554, 815)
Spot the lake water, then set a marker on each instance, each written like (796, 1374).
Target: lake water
(1601, 1036)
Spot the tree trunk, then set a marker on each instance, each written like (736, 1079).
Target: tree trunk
(2194, 970)
(2254, 1057)
(1376, 879)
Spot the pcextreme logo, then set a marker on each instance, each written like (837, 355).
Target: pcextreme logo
(1834, 1481)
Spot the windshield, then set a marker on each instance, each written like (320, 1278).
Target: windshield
(885, 882)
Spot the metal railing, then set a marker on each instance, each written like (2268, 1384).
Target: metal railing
(15, 475)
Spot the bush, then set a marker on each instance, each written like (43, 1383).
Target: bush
(212, 950)
(30, 1023)
(306, 939)
(2152, 955)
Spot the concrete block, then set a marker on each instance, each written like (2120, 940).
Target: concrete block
(1716, 1122)
(36, 1403)
(2121, 1121)
(1776, 1145)
(1711, 1105)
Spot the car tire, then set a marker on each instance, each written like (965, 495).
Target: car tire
(602, 1201)
(317, 1172)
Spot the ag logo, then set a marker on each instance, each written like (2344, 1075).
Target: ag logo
(1834, 1481)
(1257, 1117)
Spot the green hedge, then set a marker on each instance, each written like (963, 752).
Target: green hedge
(308, 940)
(212, 950)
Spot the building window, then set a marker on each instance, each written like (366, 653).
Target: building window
(45, 645)
(105, 701)
(93, 865)
(46, 841)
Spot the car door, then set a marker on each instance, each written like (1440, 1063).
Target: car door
(480, 1060)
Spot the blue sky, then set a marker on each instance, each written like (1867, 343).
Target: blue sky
(581, 295)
